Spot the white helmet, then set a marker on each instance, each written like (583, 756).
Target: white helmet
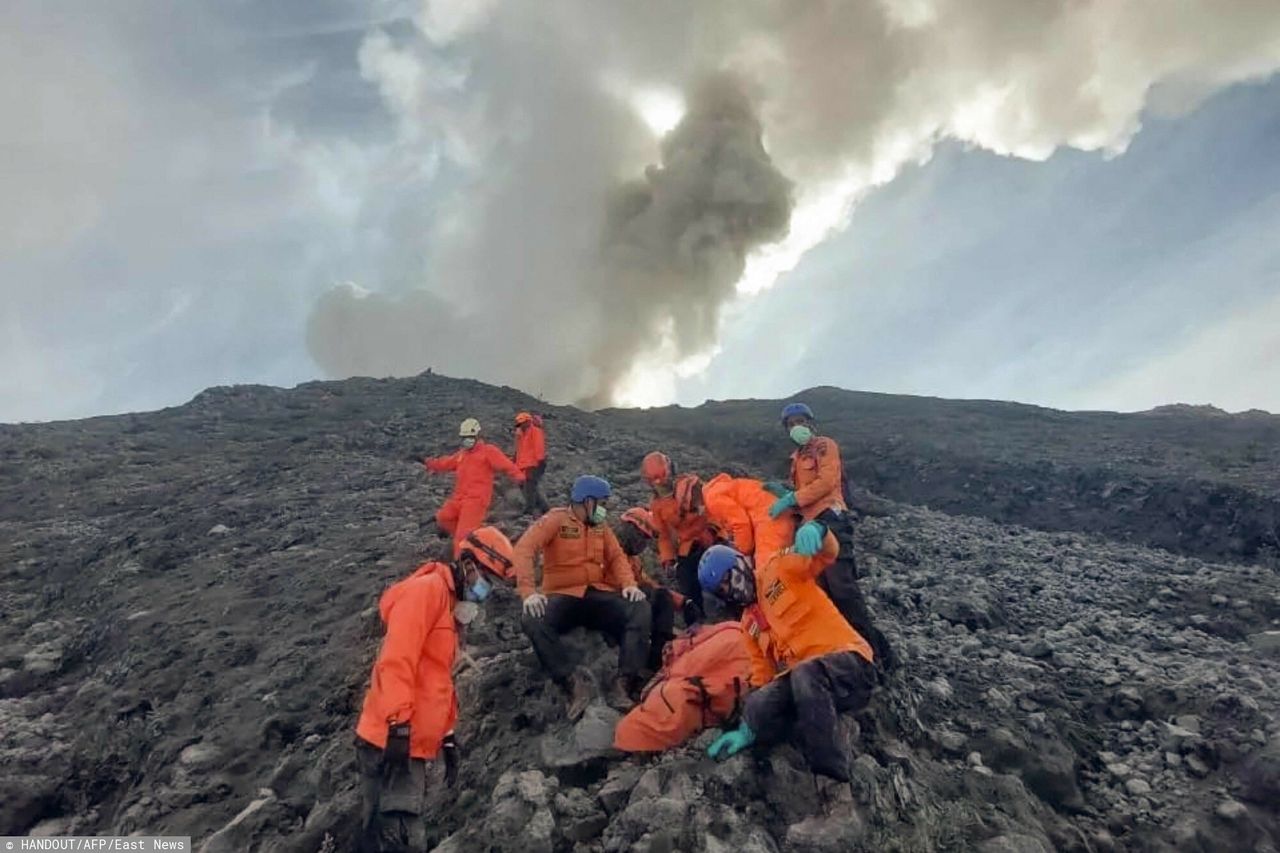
(470, 428)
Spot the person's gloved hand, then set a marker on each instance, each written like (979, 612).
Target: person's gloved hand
(452, 757)
(731, 743)
(395, 755)
(809, 539)
(535, 605)
(633, 593)
(691, 611)
(782, 504)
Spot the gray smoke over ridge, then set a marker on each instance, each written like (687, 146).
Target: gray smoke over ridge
(547, 276)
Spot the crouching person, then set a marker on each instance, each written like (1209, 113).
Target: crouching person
(410, 709)
(635, 531)
(702, 683)
(808, 663)
(583, 566)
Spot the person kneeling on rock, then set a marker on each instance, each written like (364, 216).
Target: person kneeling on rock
(411, 708)
(807, 662)
(583, 567)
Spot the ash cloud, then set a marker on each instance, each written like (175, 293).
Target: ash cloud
(559, 276)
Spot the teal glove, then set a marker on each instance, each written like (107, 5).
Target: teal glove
(775, 488)
(809, 539)
(782, 504)
(731, 743)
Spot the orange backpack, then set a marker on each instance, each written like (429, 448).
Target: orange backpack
(701, 684)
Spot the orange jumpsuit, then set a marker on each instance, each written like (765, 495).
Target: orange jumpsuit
(793, 620)
(531, 446)
(412, 679)
(739, 508)
(818, 477)
(472, 487)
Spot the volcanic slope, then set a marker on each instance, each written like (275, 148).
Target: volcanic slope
(189, 618)
(1190, 479)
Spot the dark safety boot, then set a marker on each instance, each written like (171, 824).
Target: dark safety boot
(581, 691)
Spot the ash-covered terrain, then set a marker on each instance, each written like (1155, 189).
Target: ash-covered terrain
(188, 602)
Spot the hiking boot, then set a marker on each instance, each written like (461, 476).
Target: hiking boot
(621, 693)
(581, 692)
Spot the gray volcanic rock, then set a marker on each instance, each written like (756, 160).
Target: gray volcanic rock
(190, 616)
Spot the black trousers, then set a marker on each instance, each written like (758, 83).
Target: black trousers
(534, 501)
(687, 579)
(662, 620)
(390, 806)
(809, 698)
(840, 583)
(627, 622)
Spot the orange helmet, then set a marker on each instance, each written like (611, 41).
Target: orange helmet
(642, 519)
(489, 547)
(688, 492)
(657, 467)
(523, 418)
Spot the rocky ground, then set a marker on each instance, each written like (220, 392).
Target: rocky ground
(188, 602)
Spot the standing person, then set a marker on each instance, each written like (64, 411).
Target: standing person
(411, 708)
(474, 465)
(531, 459)
(817, 495)
(808, 665)
(583, 570)
(680, 518)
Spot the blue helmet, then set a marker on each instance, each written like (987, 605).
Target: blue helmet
(790, 410)
(587, 486)
(715, 565)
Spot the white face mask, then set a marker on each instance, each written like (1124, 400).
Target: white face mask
(465, 612)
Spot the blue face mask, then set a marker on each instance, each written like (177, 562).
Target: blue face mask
(479, 590)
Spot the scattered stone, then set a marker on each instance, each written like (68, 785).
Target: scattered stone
(1231, 810)
(1015, 843)
(1138, 787)
(219, 530)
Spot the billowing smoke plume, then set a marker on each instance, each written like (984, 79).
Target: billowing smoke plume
(539, 272)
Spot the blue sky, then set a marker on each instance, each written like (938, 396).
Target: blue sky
(1081, 282)
(185, 185)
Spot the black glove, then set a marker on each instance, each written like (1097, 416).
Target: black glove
(414, 458)
(452, 758)
(395, 755)
(691, 611)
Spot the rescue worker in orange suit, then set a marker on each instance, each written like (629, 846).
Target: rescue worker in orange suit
(531, 459)
(817, 495)
(473, 465)
(635, 531)
(410, 709)
(682, 527)
(583, 567)
(737, 510)
(808, 664)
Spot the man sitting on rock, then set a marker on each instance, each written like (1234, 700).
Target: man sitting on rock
(583, 566)
(807, 662)
(411, 707)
